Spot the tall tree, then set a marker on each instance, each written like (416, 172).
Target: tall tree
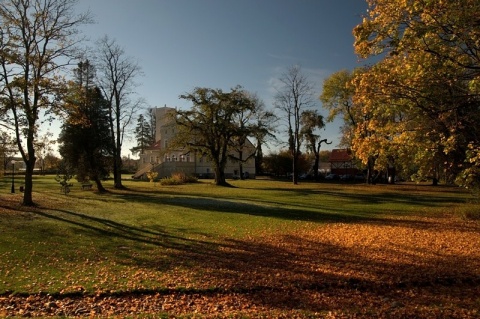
(294, 96)
(117, 75)
(144, 133)
(209, 127)
(424, 93)
(37, 39)
(312, 122)
(86, 145)
(337, 97)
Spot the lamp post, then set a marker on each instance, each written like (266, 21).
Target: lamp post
(13, 176)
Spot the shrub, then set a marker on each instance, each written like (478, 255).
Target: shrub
(152, 176)
(169, 181)
(185, 178)
(178, 179)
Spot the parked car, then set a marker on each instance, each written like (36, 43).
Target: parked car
(346, 177)
(331, 177)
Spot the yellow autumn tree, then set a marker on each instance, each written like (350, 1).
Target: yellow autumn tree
(423, 94)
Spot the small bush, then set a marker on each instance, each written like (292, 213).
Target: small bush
(170, 181)
(184, 178)
(178, 179)
(152, 176)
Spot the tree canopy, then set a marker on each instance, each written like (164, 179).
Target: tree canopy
(420, 101)
(212, 126)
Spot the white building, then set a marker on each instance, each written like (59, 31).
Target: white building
(167, 162)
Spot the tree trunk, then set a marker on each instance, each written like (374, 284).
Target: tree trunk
(220, 179)
(370, 166)
(27, 193)
(99, 185)
(391, 175)
(117, 176)
(29, 166)
(315, 166)
(117, 172)
(295, 169)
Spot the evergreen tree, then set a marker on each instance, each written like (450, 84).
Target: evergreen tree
(85, 139)
(144, 133)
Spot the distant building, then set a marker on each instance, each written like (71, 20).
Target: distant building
(341, 162)
(166, 161)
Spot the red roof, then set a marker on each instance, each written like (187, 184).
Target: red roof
(340, 155)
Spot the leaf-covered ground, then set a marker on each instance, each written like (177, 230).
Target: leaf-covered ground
(423, 267)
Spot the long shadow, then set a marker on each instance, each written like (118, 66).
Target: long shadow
(293, 272)
(107, 228)
(290, 272)
(263, 208)
(377, 198)
(296, 212)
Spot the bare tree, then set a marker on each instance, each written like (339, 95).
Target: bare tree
(117, 74)
(294, 96)
(38, 39)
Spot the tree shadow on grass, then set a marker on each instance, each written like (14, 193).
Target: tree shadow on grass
(103, 227)
(296, 211)
(290, 271)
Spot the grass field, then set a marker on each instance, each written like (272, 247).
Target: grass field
(262, 248)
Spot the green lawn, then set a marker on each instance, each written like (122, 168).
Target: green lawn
(158, 239)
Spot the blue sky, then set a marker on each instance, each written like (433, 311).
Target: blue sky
(183, 44)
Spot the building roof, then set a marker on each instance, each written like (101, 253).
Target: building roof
(340, 155)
